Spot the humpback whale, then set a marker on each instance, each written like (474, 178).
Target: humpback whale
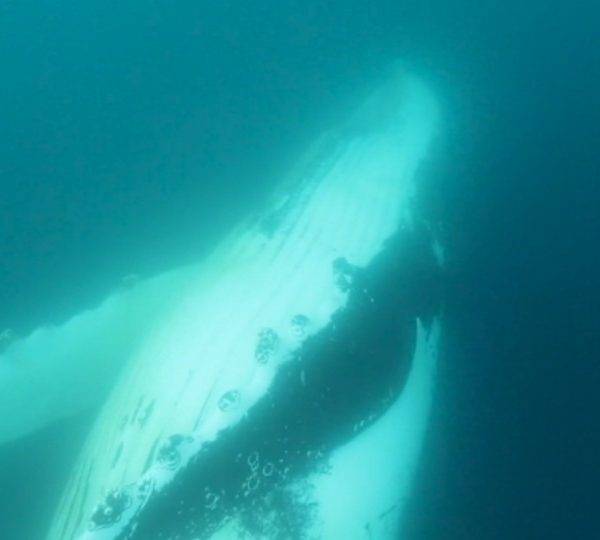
(277, 389)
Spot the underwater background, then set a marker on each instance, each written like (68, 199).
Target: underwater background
(133, 134)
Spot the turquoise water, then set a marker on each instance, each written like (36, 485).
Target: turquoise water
(133, 136)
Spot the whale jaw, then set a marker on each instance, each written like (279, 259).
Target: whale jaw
(283, 389)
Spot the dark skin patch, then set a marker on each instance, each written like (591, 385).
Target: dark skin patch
(117, 455)
(137, 409)
(343, 379)
(145, 414)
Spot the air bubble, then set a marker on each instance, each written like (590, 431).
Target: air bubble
(253, 482)
(212, 499)
(268, 469)
(253, 459)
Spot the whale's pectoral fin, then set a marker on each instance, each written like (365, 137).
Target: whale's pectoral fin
(57, 372)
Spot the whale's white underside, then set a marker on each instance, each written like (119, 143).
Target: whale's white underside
(182, 346)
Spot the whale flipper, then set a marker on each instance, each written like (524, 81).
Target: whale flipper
(59, 371)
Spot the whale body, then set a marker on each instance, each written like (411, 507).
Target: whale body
(277, 389)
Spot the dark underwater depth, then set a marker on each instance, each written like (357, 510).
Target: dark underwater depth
(133, 134)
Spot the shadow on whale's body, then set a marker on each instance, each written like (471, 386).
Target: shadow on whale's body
(278, 389)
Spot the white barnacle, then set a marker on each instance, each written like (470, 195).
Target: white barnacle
(299, 325)
(266, 346)
(229, 400)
